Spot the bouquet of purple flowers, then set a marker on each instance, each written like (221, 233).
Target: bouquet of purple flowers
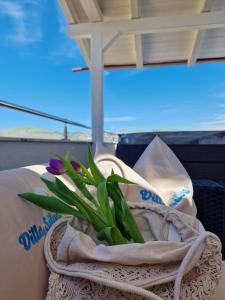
(107, 212)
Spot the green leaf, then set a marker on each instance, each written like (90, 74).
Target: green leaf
(72, 197)
(107, 232)
(101, 235)
(117, 237)
(103, 200)
(132, 227)
(67, 158)
(130, 224)
(118, 179)
(91, 214)
(77, 180)
(117, 199)
(86, 172)
(51, 203)
(114, 236)
(80, 203)
(97, 175)
(113, 213)
(125, 220)
(60, 190)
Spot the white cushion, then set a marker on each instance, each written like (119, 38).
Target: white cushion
(23, 274)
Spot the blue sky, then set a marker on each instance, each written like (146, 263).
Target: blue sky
(36, 61)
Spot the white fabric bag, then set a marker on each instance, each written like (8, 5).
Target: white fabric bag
(160, 167)
(158, 176)
(161, 268)
(179, 259)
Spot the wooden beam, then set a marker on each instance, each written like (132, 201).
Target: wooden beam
(138, 50)
(92, 10)
(206, 5)
(198, 35)
(85, 48)
(109, 39)
(156, 64)
(181, 22)
(134, 7)
(72, 17)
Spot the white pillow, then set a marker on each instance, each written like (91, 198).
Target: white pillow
(24, 275)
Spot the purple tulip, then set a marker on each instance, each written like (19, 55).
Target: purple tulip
(75, 165)
(56, 167)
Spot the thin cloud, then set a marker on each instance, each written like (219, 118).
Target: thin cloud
(166, 109)
(116, 119)
(169, 110)
(119, 119)
(135, 72)
(67, 49)
(25, 29)
(216, 123)
(220, 95)
(62, 23)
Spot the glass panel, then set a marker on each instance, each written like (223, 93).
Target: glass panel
(16, 124)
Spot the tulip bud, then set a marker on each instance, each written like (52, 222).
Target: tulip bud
(75, 165)
(56, 167)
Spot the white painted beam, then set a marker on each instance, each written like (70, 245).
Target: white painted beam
(109, 39)
(73, 18)
(97, 89)
(198, 35)
(138, 50)
(92, 10)
(134, 7)
(206, 5)
(181, 22)
(85, 48)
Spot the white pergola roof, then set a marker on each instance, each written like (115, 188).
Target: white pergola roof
(149, 32)
(137, 33)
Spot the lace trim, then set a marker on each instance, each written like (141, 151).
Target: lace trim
(199, 283)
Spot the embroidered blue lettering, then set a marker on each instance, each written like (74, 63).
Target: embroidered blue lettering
(24, 240)
(178, 197)
(147, 195)
(36, 232)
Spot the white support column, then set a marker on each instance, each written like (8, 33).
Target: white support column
(97, 72)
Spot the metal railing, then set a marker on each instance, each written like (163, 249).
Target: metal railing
(27, 110)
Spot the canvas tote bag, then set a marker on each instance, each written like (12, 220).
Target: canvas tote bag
(159, 166)
(158, 176)
(161, 268)
(179, 259)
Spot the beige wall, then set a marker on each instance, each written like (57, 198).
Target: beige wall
(15, 153)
